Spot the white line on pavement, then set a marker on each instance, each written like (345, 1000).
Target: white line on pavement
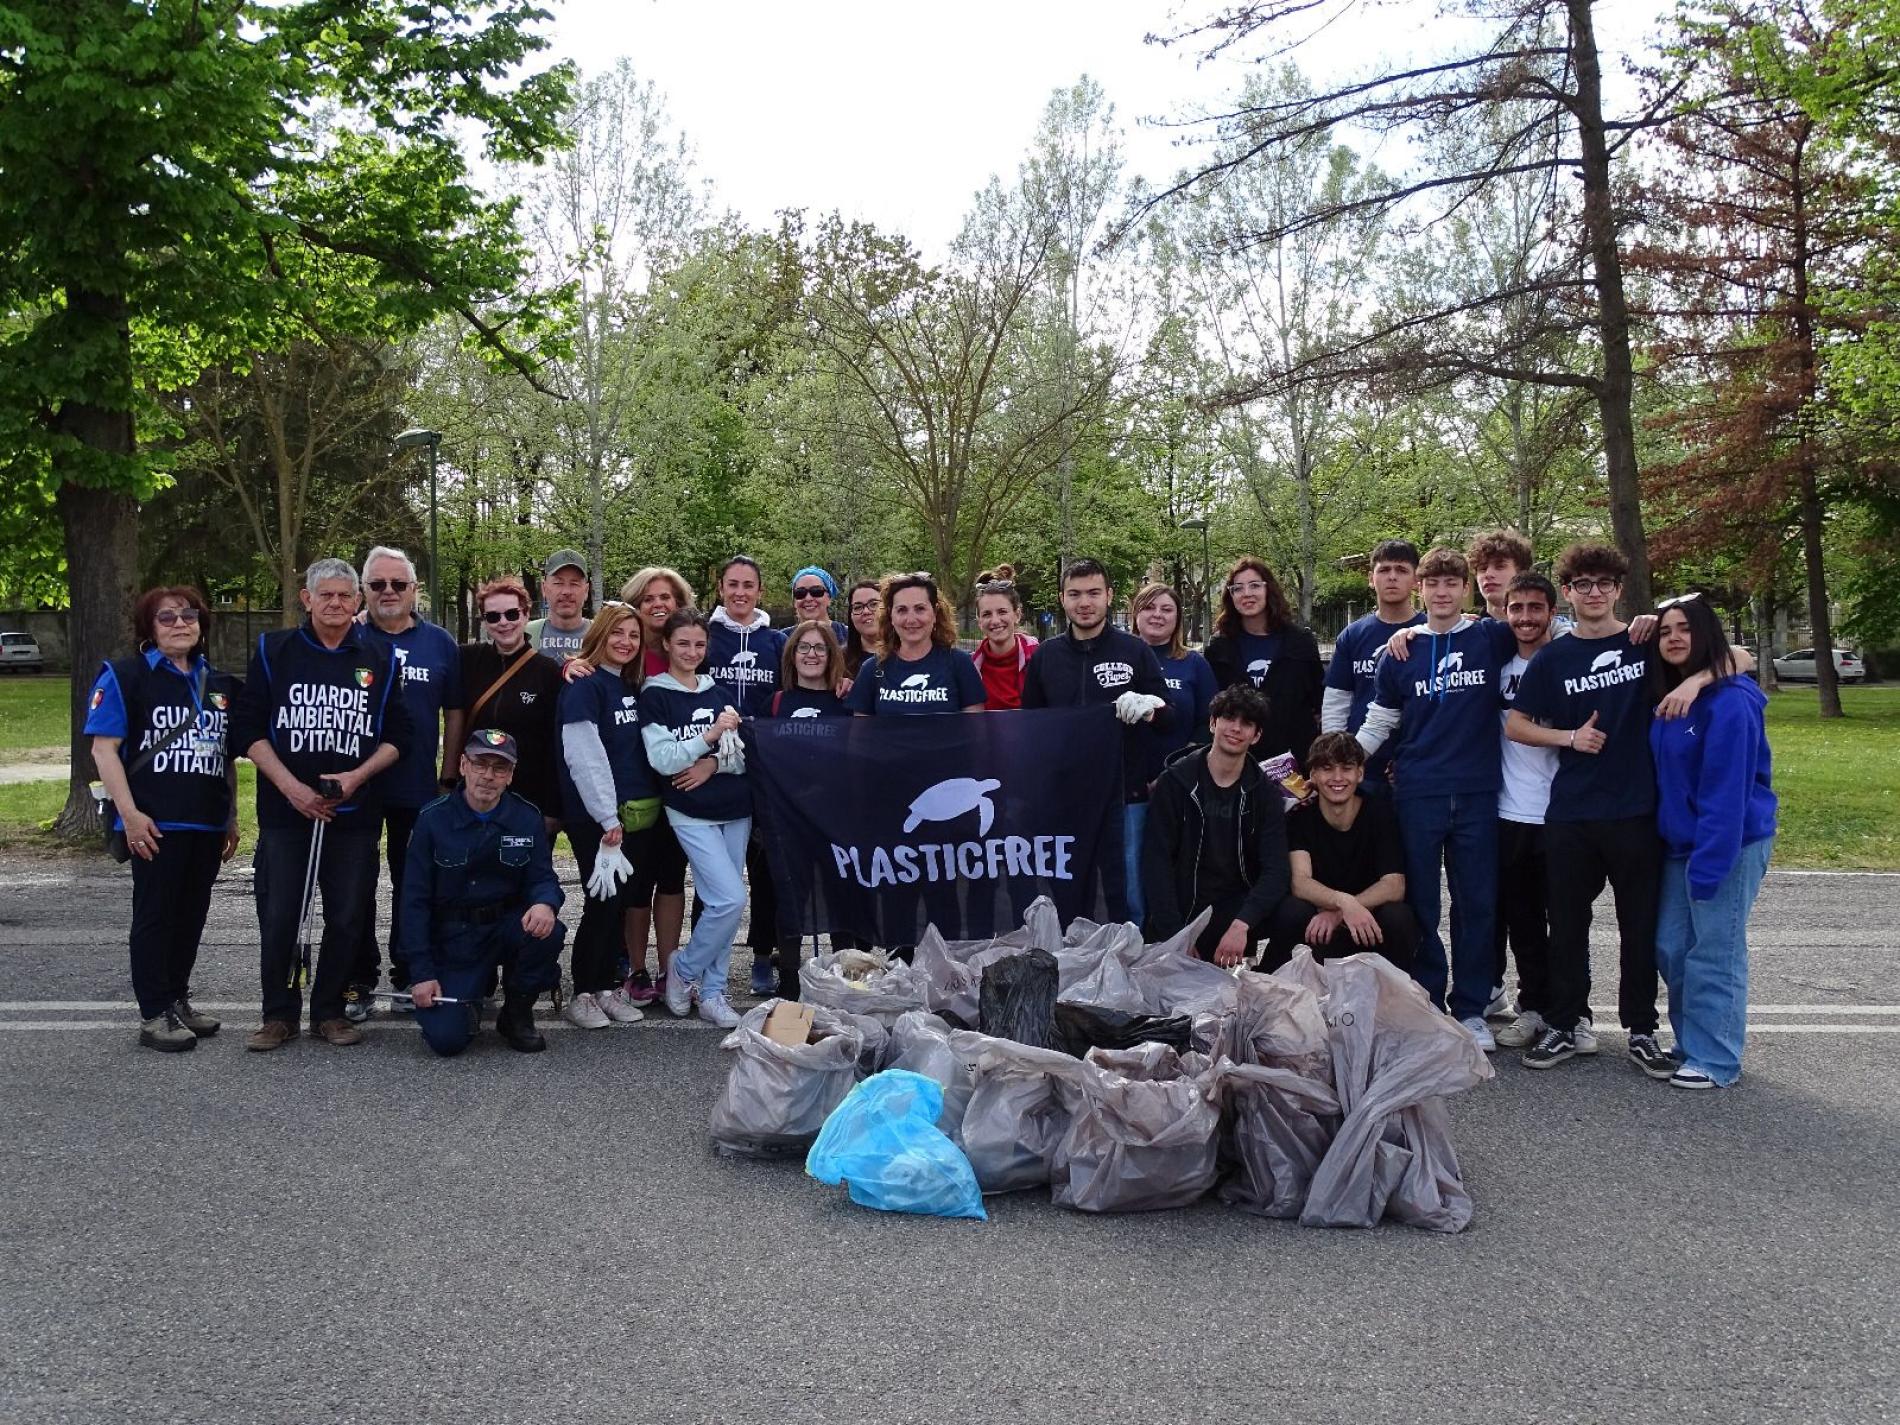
(1605, 1013)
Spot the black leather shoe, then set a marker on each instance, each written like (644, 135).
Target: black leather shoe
(515, 1024)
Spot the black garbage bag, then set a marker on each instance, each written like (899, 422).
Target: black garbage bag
(1082, 1027)
(1018, 999)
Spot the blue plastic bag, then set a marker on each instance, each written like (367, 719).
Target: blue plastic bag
(884, 1145)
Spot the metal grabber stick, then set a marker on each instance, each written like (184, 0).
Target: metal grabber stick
(300, 972)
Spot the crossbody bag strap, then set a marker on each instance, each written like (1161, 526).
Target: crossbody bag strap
(513, 668)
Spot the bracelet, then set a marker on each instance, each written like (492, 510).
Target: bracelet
(1573, 737)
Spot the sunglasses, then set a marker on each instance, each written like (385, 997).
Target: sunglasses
(501, 615)
(168, 617)
(1679, 599)
(811, 591)
(1592, 586)
(390, 586)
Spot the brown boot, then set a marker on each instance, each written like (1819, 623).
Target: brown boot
(271, 1034)
(337, 1031)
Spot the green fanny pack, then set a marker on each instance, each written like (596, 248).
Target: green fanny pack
(639, 815)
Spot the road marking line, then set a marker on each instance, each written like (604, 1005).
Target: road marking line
(1606, 1014)
(374, 1026)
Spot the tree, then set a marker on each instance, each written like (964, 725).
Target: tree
(945, 379)
(1534, 57)
(158, 170)
(1764, 211)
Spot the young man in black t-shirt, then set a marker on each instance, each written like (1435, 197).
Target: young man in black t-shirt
(1348, 866)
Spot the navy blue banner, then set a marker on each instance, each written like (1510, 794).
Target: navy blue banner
(877, 827)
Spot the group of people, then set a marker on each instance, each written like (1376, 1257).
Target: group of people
(1534, 757)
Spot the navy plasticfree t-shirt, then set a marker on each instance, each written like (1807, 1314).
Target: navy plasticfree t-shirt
(431, 665)
(725, 796)
(1572, 677)
(1256, 652)
(1447, 696)
(805, 702)
(1355, 664)
(604, 699)
(1191, 686)
(942, 681)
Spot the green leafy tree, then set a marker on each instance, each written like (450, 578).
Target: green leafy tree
(159, 177)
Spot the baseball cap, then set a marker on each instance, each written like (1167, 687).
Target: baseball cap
(491, 742)
(562, 559)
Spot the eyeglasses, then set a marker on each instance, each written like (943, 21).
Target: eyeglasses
(1679, 599)
(491, 766)
(817, 648)
(811, 591)
(501, 615)
(864, 606)
(389, 586)
(1593, 586)
(1253, 586)
(168, 617)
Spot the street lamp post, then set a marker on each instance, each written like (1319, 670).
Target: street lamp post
(1207, 576)
(409, 440)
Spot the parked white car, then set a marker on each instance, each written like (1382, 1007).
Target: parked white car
(1798, 666)
(20, 653)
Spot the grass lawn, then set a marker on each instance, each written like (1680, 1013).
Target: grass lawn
(1839, 781)
(33, 713)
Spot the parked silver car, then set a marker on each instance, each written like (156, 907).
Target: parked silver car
(20, 653)
(1798, 666)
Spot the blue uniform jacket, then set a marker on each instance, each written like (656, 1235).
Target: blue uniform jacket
(459, 861)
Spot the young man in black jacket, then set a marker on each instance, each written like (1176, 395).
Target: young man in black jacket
(1093, 664)
(321, 715)
(1216, 836)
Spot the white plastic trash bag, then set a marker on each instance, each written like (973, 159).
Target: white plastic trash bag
(1275, 1128)
(1144, 1134)
(777, 1096)
(863, 982)
(1018, 1113)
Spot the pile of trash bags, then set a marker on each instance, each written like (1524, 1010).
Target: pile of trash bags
(1120, 1076)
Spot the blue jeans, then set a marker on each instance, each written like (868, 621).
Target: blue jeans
(1702, 951)
(1462, 830)
(1134, 821)
(716, 852)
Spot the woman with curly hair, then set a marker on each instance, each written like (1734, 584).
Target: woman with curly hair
(1256, 641)
(920, 670)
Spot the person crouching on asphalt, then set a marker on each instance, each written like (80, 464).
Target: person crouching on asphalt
(1216, 836)
(158, 723)
(478, 897)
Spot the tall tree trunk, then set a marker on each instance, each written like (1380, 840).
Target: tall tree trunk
(1615, 390)
(1807, 458)
(101, 531)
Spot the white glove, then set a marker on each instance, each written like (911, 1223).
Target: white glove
(731, 752)
(1132, 708)
(611, 867)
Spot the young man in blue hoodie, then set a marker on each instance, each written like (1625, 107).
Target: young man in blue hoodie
(1349, 677)
(1441, 706)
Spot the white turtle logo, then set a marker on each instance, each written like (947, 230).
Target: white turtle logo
(1451, 661)
(804, 712)
(953, 797)
(744, 658)
(1609, 658)
(1257, 670)
(703, 714)
(916, 680)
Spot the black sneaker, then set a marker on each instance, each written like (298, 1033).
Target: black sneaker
(1648, 1056)
(358, 1004)
(1553, 1046)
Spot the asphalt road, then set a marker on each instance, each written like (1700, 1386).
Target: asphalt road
(373, 1234)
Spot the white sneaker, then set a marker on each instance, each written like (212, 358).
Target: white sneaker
(584, 1012)
(1522, 1032)
(1500, 1006)
(714, 1010)
(1481, 1032)
(617, 1007)
(1586, 1036)
(679, 996)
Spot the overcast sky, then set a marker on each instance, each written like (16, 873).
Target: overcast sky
(897, 112)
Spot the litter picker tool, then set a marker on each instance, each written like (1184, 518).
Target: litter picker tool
(300, 972)
(405, 995)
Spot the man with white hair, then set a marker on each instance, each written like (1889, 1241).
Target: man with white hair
(431, 669)
(321, 717)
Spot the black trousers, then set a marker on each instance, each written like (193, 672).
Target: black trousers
(601, 938)
(1225, 914)
(1523, 916)
(1582, 856)
(1288, 930)
(171, 895)
(399, 824)
(347, 881)
(531, 967)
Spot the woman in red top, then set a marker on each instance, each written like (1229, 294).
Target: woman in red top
(1005, 649)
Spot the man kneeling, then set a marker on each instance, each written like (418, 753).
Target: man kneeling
(1348, 866)
(479, 895)
(1216, 835)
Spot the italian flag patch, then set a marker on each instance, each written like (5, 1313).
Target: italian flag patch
(364, 677)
